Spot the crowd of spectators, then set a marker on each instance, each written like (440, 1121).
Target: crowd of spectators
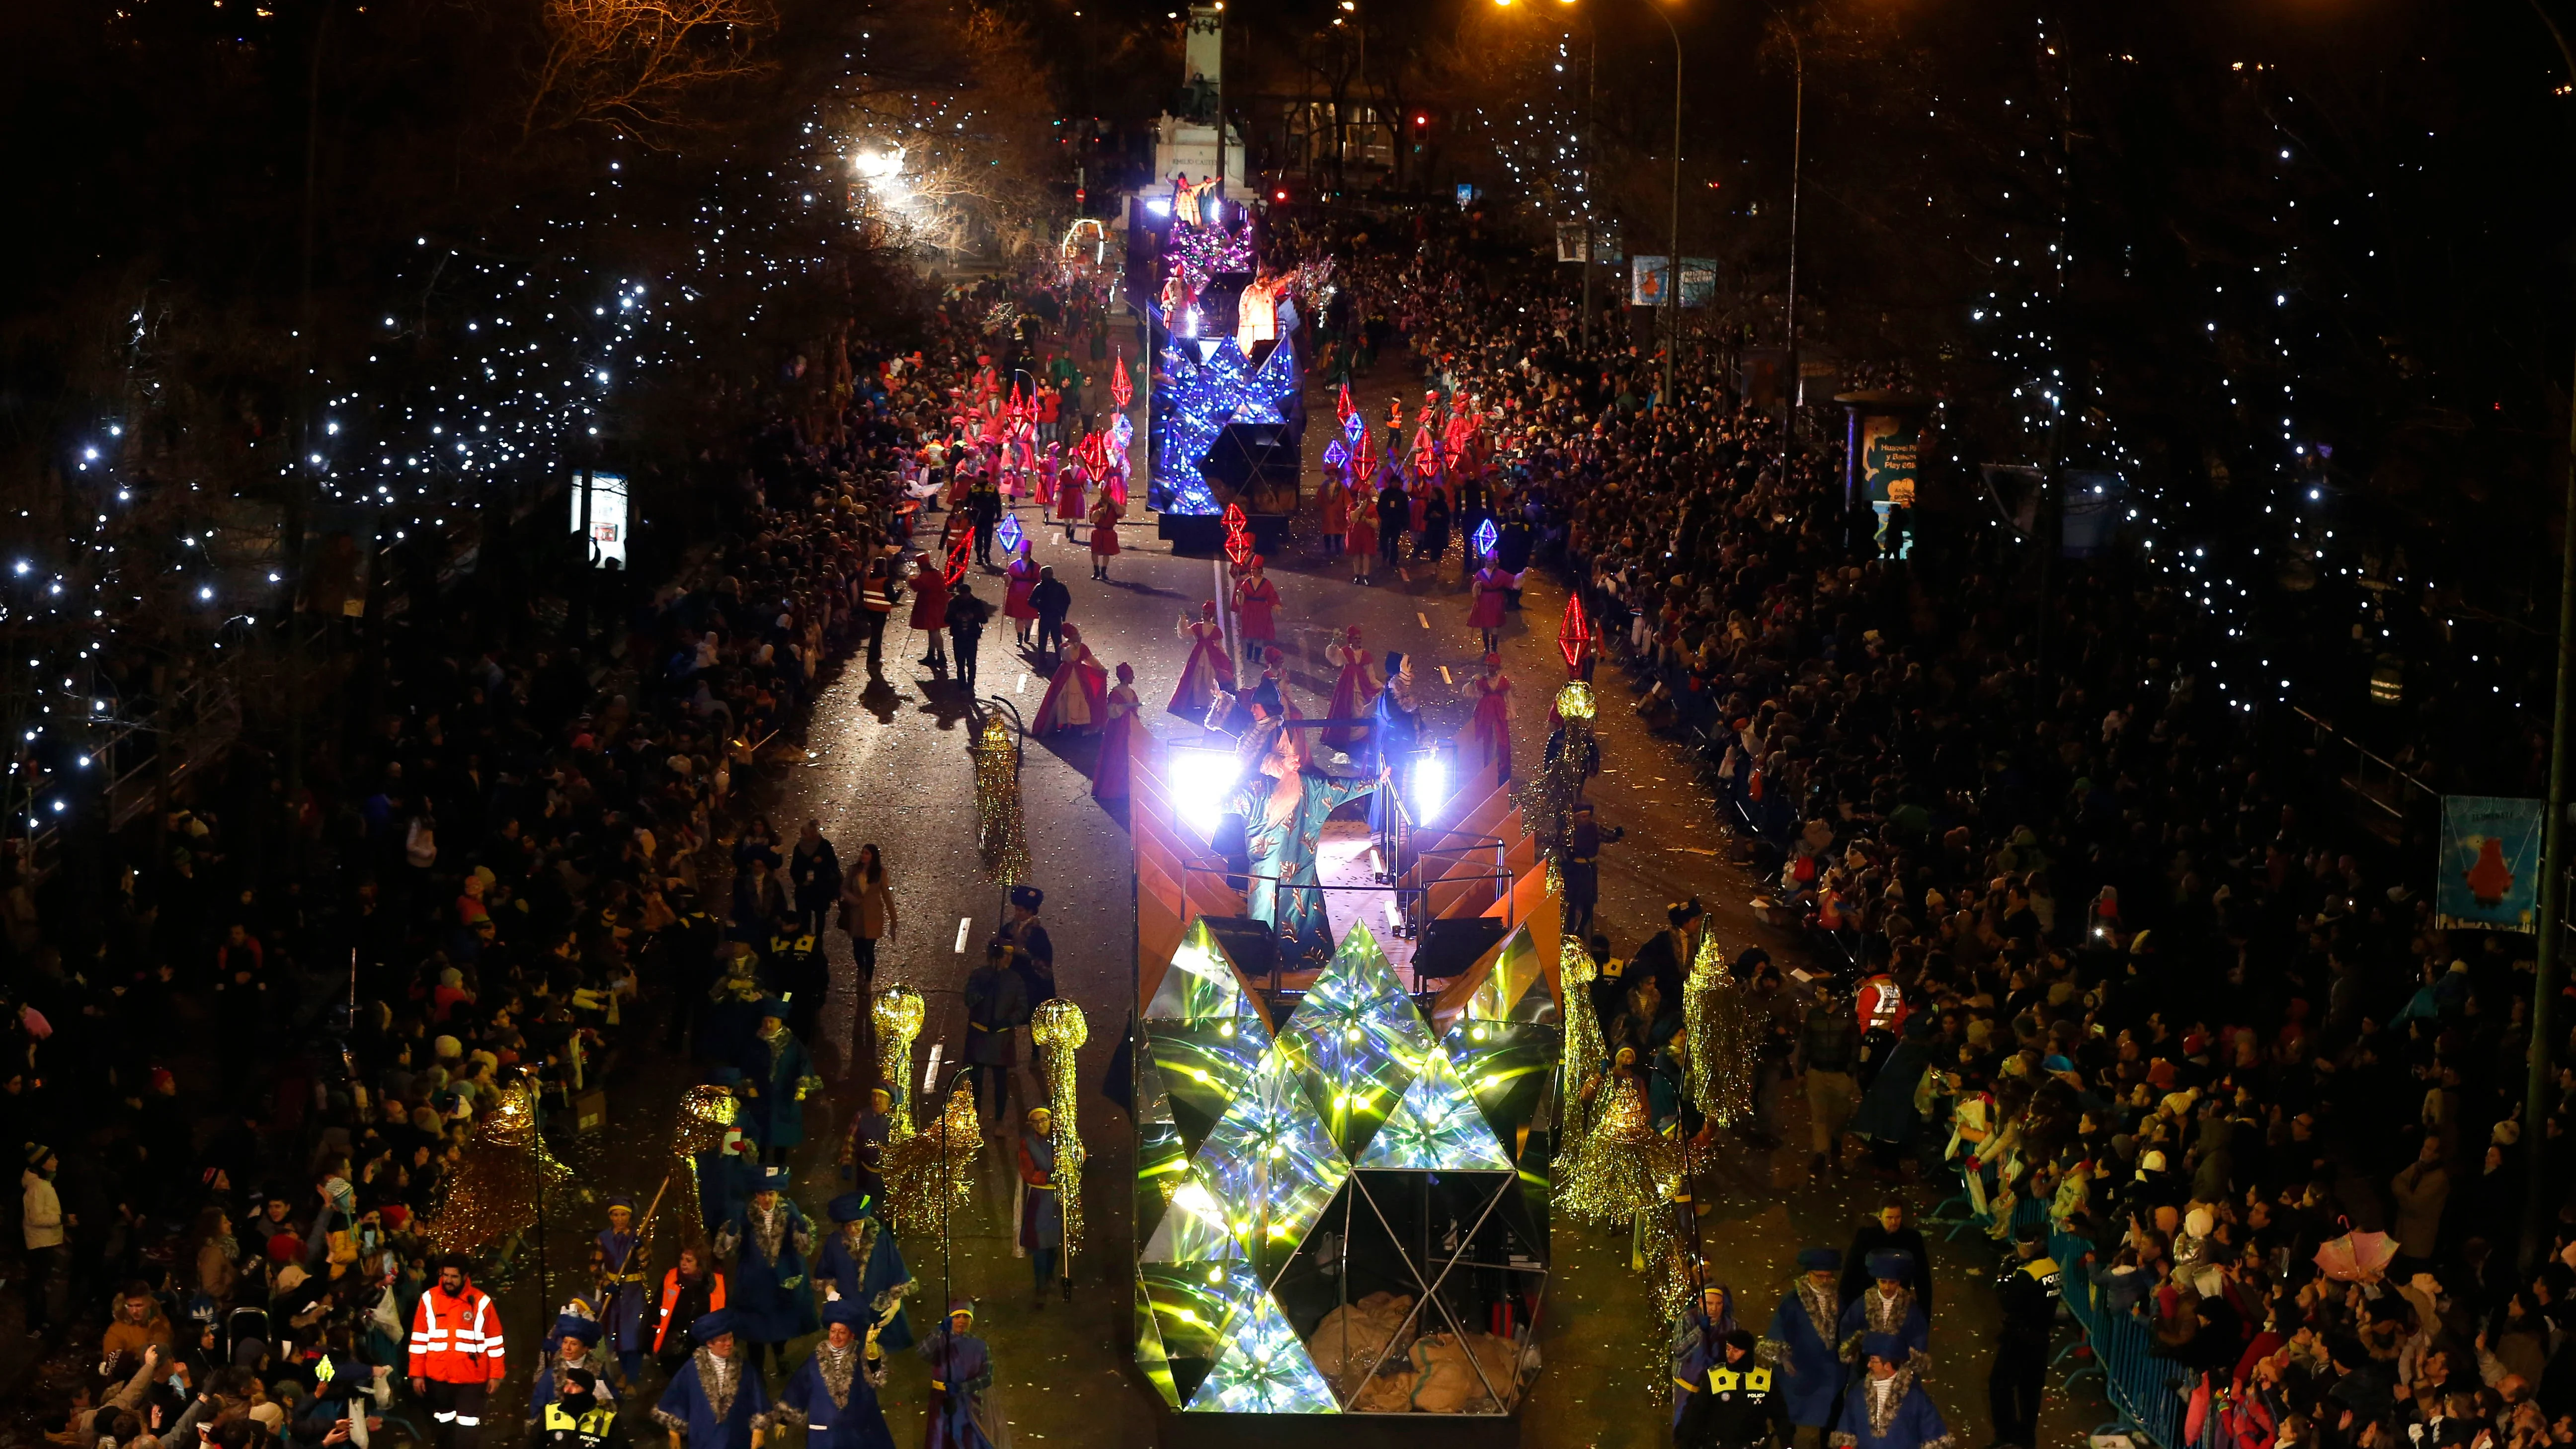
(241, 1075)
(2107, 953)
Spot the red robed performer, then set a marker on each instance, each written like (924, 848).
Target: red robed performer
(1256, 605)
(1077, 698)
(1492, 692)
(1354, 691)
(1109, 780)
(1207, 670)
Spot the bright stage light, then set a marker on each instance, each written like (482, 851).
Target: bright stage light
(1160, 206)
(1426, 784)
(1202, 781)
(878, 165)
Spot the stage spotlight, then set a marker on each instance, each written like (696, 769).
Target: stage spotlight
(1202, 781)
(1426, 784)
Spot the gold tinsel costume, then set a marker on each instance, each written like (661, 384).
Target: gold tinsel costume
(1585, 1048)
(1000, 837)
(1547, 802)
(496, 1190)
(1059, 1030)
(1720, 1038)
(933, 1170)
(897, 1013)
(1624, 1167)
(707, 1115)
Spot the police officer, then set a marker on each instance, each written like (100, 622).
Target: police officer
(803, 975)
(2028, 1284)
(1733, 1404)
(689, 945)
(579, 1418)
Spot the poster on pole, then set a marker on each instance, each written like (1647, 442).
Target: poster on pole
(1699, 281)
(607, 517)
(1605, 246)
(1890, 453)
(1647, 278)
(2489, 876)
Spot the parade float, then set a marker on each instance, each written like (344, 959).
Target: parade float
(1226, 410)
(1342, 1183)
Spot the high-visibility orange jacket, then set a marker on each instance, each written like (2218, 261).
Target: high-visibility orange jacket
(456, 1340)
(673, 1290)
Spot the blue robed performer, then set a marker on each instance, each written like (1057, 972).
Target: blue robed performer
(863, 1161)
(768, 1298)
(1283, 802)
(1887, 1306)
(777, 1077)
(1701, 1342)
(862, 1265)
(716, 1400)
(833, 1394)
(1886, 1407)
(960, 1372)
(1801, 1341)
(573, 1344)
(620, 1276)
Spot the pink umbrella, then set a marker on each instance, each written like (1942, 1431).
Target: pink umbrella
(2356, 1257)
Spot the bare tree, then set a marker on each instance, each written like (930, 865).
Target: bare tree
(960, 132)
(640, 65)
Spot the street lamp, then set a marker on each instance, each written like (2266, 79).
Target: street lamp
(1673, 232)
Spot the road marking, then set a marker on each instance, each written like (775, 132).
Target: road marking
(930, 1074)
(1444, 675)
(964, 923)
(1023, 686)
(1425, 618)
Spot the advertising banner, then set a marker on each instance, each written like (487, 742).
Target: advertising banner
(1647, 277)
(606, 517)
(1890, 451)
(1699, 281)
(1605, 242)
(2489, 875)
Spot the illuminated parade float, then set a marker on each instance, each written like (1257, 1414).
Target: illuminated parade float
(1343, 1182)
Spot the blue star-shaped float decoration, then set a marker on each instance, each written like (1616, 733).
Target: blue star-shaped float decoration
(1008, 534)
(1211, 385)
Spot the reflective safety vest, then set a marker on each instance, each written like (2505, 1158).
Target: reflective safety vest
(1727, 1381)
(588, 1429)
(456, 1340)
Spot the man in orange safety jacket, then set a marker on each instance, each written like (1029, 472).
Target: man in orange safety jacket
(456, 1355)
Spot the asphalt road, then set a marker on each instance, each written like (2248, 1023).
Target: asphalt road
(887, 764)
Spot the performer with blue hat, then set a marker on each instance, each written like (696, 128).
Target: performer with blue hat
(1800, 1343)
(960, 1372)
(768, 1300)
(1887, 1307)
(833, 1394)
(572, 1344)
(778, 1076)
(715, 1401)
(1886, 1407)
(614, 1257)
(581, 1417)
(862, 1265)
